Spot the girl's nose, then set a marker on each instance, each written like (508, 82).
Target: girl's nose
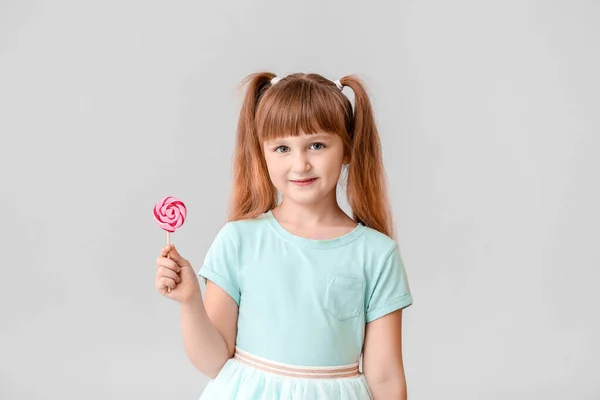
(301, 163)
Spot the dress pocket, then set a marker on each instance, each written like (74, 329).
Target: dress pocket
(344, 297)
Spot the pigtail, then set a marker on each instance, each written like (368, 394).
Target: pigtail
(252, 190)
(366, 186)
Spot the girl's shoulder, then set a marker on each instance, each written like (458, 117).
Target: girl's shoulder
(248, 224)
(244, 228)
(378, 242)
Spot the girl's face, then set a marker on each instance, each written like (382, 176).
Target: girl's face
(318, 157)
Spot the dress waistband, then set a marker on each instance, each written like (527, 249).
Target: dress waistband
(295, 371)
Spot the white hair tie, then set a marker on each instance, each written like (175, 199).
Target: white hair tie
(275, 80)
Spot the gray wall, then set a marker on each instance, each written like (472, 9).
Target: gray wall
(488, 114)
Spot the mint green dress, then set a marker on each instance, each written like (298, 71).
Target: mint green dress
(302, 302)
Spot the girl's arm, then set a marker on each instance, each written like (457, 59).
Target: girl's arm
(382, 357)
(209, 329)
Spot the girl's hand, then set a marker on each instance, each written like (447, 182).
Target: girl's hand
(176, 273)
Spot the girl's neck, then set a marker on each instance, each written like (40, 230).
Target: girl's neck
(304, 218)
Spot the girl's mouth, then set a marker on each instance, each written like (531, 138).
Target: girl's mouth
(304, 182)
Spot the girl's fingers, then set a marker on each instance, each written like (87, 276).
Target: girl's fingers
(165, 272)
(174, 255)
(166, 283)
(165, 250)
(168, 263)
(168, 269)
(162, 288)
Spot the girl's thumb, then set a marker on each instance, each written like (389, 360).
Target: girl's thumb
(174, 254)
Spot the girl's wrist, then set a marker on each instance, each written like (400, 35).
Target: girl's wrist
(194, 300)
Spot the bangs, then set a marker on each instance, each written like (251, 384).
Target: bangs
(297, 106)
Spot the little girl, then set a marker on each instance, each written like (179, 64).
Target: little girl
(296, 290)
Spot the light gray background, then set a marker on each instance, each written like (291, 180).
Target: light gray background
(488, 114)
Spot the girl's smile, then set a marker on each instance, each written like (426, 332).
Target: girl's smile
(304, 182)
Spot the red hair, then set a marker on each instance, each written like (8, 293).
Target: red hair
(308, 103)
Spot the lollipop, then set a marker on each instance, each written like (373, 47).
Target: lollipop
(169, 214)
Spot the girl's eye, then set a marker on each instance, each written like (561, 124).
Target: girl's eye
(319, 147)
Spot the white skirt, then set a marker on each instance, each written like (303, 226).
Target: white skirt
(248, 377)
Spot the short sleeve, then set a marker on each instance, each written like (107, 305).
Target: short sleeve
(389, 289)
(220, 263)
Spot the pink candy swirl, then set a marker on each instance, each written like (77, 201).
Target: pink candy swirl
(169, 213)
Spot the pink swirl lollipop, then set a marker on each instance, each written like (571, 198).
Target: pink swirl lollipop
(169, 214)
